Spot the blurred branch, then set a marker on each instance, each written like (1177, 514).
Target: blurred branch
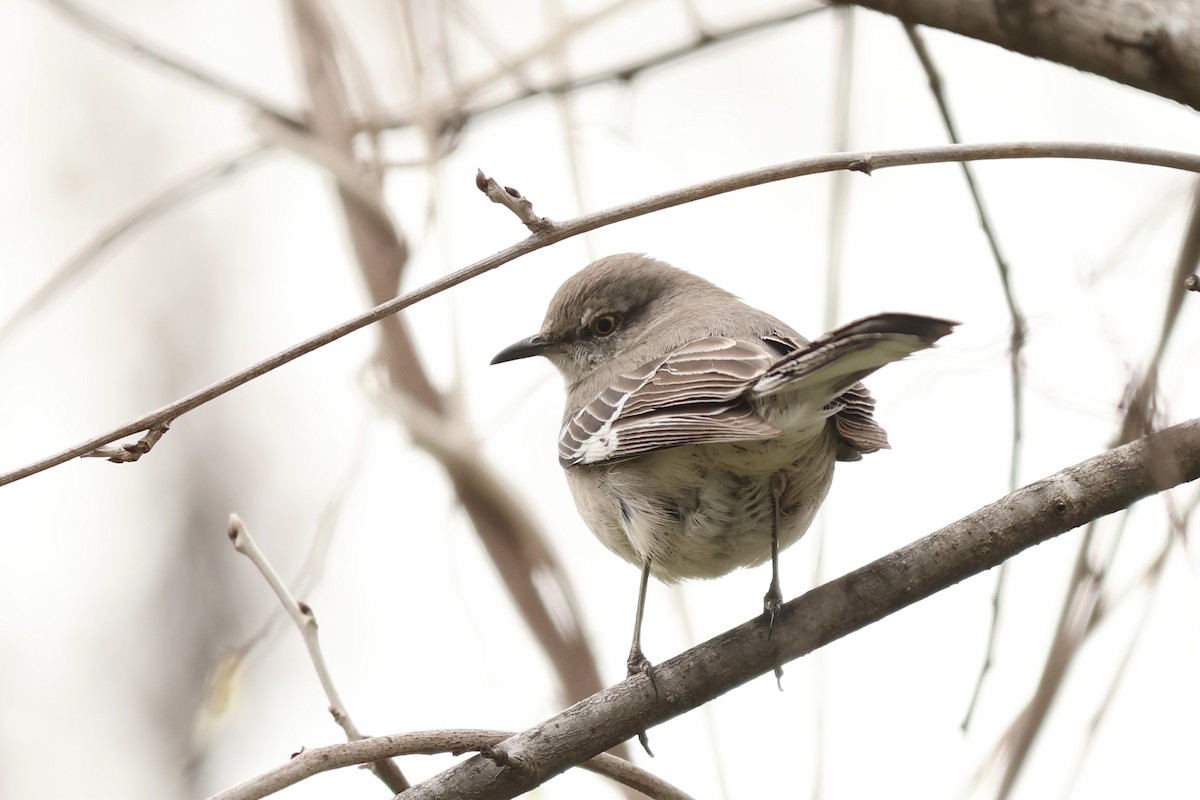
(864, 161)
(839, 187)
(322, 759)
(837, 218)
(113, 34)
(457, 108)
(513, 541)
(1016, 340)
(1081, 604)
(981, 540)
(162, 201)
(306, 623)
(1150, 46)
(1139, 411)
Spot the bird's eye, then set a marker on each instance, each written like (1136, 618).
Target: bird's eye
(604, 324)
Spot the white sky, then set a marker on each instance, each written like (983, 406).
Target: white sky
(416, 627)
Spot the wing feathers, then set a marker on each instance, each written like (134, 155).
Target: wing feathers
(707, 391)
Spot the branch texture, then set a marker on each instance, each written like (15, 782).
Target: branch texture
(977, 542)
(1153, 45)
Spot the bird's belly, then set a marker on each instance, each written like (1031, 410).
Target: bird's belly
(702, 511)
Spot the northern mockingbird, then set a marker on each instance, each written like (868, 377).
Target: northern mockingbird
(700, 434)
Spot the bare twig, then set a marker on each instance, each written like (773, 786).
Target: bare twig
(1139, 411)
(306, 622)
(350, 175)
(979, 541)
(162, 201)
(115, 35)
(865, 161)
(322, 759)
(1083, 592)
(310, 571)
(458, 110)
(513, 200)
(1016, 340)
(839, 187)
(127, 453)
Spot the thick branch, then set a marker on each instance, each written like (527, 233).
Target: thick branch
(1153, 46)
(979, 541)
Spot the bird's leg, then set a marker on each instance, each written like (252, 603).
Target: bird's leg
(773, 599)
(637, 661)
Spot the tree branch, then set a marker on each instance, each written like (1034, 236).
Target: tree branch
(1150, 46)
(322, 759)
(981, 540)
(863, 161)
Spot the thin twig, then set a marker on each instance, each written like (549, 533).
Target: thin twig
(322, 759)
(305, 620)
(349, 173)
(1151, 582)
(513, 200)
(130, 452)
(839, 187)
(1139, 412)
(162, 201)
(1080, 604)
(115, 35)
(1015, 343)
(310, 571)
(865, 161)
(624, 73)
(839, 212)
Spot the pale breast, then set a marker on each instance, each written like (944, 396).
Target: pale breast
(702, 511)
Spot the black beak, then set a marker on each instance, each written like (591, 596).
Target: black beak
(533, 346)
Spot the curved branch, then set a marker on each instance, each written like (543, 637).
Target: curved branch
(362, 751)
(865, 161)
(981, 540)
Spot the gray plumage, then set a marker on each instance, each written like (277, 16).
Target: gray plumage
(697, 428)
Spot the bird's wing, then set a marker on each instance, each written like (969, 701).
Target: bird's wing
(826, 373)
(841, 358)
(694, 395)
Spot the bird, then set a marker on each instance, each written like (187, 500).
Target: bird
(700, 433)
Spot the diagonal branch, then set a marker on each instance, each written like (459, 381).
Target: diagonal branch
(981, 540)
(458, 107)
(1016, 339)
(113, 34)
(163, 201)
(513, 541)
(863, 161)
(1080, 605)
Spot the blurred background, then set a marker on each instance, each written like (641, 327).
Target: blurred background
(169, 216)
